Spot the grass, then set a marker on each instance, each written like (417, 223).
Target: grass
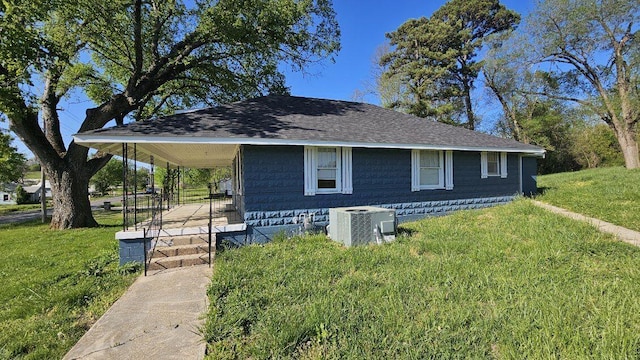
(55, 284)
(33, 175)
(610, 194)
(509, 282)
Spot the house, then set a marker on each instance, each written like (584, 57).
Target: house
(296, 156)
(225, 187)
(8, 194)
(34, 191)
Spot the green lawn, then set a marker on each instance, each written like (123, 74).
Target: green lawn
(55, 284)
(510, 282)
(33, 175)
(610, 194)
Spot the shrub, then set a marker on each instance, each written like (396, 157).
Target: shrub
(22, 197)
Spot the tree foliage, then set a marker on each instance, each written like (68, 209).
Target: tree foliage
(437, 58)
(22, 197)
(592, 45)
(107, 177)
(136, 58)
(111, 175)
(12, 163)
(595, 146)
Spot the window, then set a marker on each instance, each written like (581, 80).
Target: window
(327, 167)
(431, 170)
(493, 164)
(327, 170)
(5, 197)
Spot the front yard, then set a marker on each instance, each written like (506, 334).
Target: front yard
(510, 282)
(55, 284)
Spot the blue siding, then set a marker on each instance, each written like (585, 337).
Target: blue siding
(274, 179)
(132, 250)
(529, 172)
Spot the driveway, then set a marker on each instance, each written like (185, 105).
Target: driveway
(22, 216)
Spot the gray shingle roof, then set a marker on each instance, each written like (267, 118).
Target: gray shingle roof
(308, 119)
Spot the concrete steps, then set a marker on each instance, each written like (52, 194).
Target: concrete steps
(180, 251)
(180, 240)
(178, 261)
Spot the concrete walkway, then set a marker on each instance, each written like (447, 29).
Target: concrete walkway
(158, 317)
(624, 234)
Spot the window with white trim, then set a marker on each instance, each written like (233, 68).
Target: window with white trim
(493, 164)
(327, 166)
(327, 170)
(431, 169)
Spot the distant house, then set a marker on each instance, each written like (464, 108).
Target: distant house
(225, 186)
(8, 194)
(34, 191)
(295, 155)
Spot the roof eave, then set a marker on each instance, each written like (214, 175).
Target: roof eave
(92, 140)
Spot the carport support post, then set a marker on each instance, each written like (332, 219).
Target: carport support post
(210, 220)
(169, 188)
(178, 187)
(135, 187)
(125, 165)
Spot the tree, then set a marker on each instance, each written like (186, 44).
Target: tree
(22, 197)
(510, 81)
(389, 89)
(595, 146)
(137, 58)
(111, 175)
(593, 45)
(437, 57)
(12, 163)
(107, 177)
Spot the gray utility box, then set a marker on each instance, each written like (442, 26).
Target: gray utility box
(362, 225)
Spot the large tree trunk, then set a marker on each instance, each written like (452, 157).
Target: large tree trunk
(70, 191)
(471, 121)
(627, 138)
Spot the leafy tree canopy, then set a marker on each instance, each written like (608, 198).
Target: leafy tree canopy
(12, 163)
(135, 58)
(592, 46)
(437, 57)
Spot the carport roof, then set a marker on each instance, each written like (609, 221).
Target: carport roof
(209, 137)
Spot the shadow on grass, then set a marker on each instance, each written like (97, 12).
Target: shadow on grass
(542, 190)
(403, 231)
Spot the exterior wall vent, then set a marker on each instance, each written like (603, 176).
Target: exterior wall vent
(362, 225)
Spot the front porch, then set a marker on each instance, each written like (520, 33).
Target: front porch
(189, 216)
(181, 236)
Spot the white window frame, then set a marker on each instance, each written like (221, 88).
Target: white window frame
(445, 172)
(344, 184)
(484, 165)
(338, 188)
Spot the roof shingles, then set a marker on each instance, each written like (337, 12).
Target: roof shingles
(293, 118)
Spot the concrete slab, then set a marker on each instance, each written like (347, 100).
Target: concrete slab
(629, 236)
(157, 318)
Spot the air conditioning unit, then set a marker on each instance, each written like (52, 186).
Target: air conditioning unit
(362, 225)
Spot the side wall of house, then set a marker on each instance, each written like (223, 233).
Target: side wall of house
(273, 184)
(529, 176)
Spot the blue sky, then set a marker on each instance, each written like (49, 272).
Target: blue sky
(363, 25)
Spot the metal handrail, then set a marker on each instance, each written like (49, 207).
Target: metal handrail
(153, 231)
(210, 220)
